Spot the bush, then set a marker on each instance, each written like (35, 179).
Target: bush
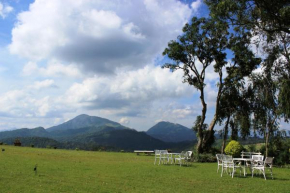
(206, 157)
(252, 148)
(234, 148)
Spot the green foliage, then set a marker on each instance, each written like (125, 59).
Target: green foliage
(252, 148)
(284, 96)
(234, 148)
(204, 157)
(279, 148)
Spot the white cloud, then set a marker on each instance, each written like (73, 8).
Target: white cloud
(21, 103)
(5, 10)
(124, 121)
(196, 5)
(99, 36)
(54, 68)
(128, 89)
(48, 83)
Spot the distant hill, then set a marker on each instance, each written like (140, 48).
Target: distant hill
(95, 133)
(170, 132)
(127, 139)
(36, 132)
(83, 121)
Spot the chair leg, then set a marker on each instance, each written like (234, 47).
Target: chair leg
(271, 173)
(264, 173)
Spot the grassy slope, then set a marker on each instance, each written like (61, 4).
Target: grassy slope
(84, 171)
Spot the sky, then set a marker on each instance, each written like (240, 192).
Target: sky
(60, 59)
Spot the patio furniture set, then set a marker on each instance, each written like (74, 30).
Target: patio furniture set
(165, 157)
(249, 160)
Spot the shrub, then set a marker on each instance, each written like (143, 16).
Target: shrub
(207, 157)
(234, 148)
(252, 148)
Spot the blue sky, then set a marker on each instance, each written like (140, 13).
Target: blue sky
(59, 59)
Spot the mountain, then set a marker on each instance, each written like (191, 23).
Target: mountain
(95, 133)
(126, 139)
(83, 121)
(36, 132)
(170, 132)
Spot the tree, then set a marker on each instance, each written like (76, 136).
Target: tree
(204, 42)
(235, 108)
(269, 24)
(265, 106)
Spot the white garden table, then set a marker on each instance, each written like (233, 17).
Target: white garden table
(244, 160)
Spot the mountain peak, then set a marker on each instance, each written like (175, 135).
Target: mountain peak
(171, 132)
(82, 121)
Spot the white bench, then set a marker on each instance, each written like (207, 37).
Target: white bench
(144, 151)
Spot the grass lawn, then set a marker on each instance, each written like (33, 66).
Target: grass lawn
(87, 171)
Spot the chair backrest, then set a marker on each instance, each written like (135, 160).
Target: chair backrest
(268, 161)
(157, 152)
(219, 157)
(189, 153)
(227, 158)
(163, 153)
(248, 154)
(258, 157)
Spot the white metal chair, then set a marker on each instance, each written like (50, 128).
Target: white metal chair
(157, 155)
(268, 163)
(184, 157)
(228, 163)
(257, 159)
(165, 157)
(219, 158)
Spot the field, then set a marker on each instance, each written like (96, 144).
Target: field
(85, 171)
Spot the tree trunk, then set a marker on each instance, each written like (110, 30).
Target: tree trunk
(225, 137)
(210, 131)
(267, 143)
(199, 146)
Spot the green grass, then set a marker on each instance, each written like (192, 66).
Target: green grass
(85, 171)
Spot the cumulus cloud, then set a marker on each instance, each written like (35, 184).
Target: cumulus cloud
(100, 36)
(48, 83)
(128, 89)
(5, 10)
(196, 5)
(53, 68)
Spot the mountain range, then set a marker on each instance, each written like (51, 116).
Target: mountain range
(92, 133)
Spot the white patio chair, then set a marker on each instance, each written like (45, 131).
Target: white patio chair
(257, 159)
(228, 163)
(268, 163)
(157, 155)
(165, 157)
(184, 157)
(219, 158)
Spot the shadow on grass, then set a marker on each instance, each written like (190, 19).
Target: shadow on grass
(182, 166)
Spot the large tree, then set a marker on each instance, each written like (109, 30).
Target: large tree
(265, 106)
(204, 43)
(269, 24)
